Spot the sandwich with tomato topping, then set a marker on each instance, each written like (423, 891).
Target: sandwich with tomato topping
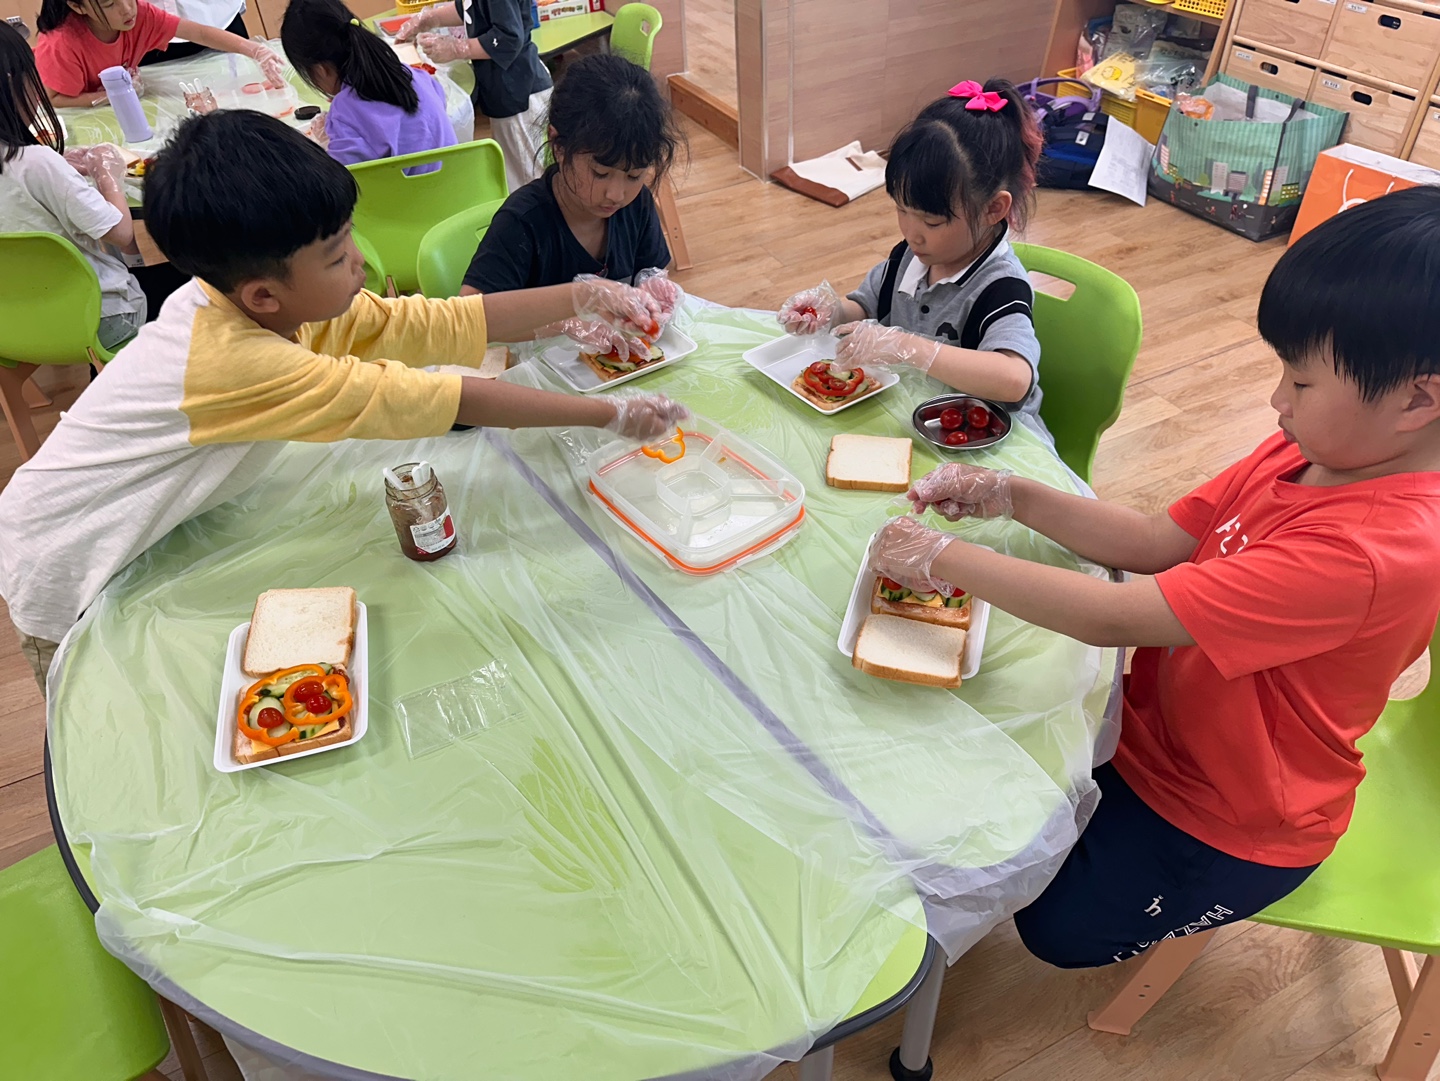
(299, 645)
(889, 597)
(614, 364)
(830, 386)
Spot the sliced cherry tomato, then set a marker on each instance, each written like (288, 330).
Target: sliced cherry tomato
(318, 705)
(956, 439)
(270, 717)
(951, 418)
(890, 584)
(308, 688)
(806, 309)
(978, 417)
(996, 428)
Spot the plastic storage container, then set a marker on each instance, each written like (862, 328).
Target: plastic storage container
(723, 502)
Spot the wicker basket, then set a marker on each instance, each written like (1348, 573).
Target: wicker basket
(1213, 8)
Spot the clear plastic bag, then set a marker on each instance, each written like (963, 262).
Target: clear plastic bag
(1134, 30)
(457, 709)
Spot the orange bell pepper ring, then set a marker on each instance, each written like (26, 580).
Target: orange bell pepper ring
(337, 688)
(657, 450)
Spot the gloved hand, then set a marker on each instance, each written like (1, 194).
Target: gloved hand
(271, 64)
(870, 344)
(810, 311)
(624, 307)
(905, 550)
(644, 417)
(667, 294)
(416, 23)
(596, 337)
(137, 82)
(442, 48)
(316, 130)
(102, 163)
(958, 491)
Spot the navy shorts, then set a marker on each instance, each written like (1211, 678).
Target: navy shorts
(1134, 879)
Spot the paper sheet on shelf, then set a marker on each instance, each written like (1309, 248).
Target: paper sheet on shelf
(1124, 164)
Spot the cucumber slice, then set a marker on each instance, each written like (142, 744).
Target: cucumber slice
(311, 732)
(894, 594)
(957, 601)
(264, 703)
(924, 597)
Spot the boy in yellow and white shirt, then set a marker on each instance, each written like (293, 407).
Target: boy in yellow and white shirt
(275, 339)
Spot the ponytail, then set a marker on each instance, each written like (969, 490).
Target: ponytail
(326, 32)
(952, 160)
(52, 16)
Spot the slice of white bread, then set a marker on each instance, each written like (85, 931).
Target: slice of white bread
(873, 463)
(247, 750)
(300, 626)
(892, 647)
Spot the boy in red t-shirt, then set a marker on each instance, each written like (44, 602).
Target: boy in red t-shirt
(1274, 606)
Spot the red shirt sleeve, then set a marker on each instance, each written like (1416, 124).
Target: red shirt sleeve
(60, 69)
(156, 25)
(1295, 595)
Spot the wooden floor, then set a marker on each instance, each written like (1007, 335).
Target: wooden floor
(710, 47)
(1263, 1004)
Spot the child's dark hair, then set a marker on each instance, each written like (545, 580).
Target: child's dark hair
(1362, 291)
(609, 108)
(327, 32)
(951, 160)
(25, 109)
(53, 13)
(233, 195)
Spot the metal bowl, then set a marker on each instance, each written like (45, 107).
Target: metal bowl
(926, 419)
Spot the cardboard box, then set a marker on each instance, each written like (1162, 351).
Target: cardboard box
(559, 9)
(1347, 176)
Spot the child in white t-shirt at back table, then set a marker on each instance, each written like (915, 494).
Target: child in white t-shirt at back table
(952, 300)
(42, 191)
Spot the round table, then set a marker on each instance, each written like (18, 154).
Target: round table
(687, 834)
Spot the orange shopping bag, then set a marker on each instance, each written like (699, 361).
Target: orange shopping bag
(1347, 176)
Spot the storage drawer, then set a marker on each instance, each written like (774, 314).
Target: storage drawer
(1379, 119)
(1297, 26)
(1427, 146)
(1390, 43)
(1272, 72)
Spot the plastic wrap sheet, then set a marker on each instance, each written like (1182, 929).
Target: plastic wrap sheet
(687, 847)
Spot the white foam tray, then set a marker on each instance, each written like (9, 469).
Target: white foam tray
(563, 358)
(859, 608)
(234, 682)
(786, 357)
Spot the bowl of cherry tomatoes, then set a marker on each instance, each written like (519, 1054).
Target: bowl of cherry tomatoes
(961, 422)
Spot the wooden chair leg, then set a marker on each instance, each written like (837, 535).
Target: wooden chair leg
(36, 397)
(1416, 1045)
(17, 410)
(152, 1075)
(1160, 966)
(670, 222)
(177, 1023)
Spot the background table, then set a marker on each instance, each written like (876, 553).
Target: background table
(691, 832)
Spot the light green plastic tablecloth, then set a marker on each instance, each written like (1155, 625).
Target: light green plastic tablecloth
(654, 860)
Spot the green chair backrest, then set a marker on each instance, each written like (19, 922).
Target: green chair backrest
(446, 250)
(395, 210)
(49, 301)
(1382, 883)
(633, 33)
(374, 265)
(68, 1010)
(1088, 346)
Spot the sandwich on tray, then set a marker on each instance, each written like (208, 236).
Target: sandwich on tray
(830, 386)
(613, 365)
(298, 651)
(913, 636)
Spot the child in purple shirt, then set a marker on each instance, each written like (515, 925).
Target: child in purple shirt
(379, 108)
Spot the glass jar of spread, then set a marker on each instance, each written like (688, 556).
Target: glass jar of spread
(416, 502)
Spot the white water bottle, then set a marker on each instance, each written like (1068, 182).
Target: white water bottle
(126, 103)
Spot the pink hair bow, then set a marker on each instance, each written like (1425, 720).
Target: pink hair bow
(981, 100)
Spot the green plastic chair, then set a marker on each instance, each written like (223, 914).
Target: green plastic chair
(68, 1010)
(395, 211)
(375, 277)
(1381, 885)
(632, 35)
(50, 312)
(446, 249)
(1088, 346)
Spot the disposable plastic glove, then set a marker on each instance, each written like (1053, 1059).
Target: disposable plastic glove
(271, 64)
(442, 48)
(416, 23)
(137, 82)
(904, 550)
(667, 294)
(957, 491)
(644, 417)
(317, 132)
(870, 344)
(594, 336)
(810, 311)
(102, 163)
(624, 307)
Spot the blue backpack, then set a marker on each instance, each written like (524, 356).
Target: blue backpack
(1074, 129)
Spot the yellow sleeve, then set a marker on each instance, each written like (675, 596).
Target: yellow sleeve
(413, 330)
(243, 384)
